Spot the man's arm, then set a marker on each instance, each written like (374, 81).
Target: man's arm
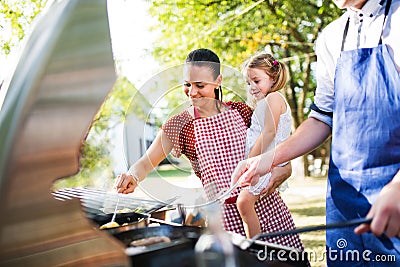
(307, 137)
(310, 134)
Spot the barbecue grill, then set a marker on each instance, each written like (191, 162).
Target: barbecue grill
(47, 104)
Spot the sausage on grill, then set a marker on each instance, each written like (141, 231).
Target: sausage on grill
(150, 241)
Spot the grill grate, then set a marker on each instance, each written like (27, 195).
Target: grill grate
(96, 201)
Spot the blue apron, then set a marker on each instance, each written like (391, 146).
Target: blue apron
(365, 153)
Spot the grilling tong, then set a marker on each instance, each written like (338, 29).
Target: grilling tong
(246, 243)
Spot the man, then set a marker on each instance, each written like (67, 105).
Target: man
(357, 101)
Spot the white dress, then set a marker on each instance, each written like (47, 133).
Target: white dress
(257, 125)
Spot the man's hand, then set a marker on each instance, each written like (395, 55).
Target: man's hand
(125, 183)
(385, 213)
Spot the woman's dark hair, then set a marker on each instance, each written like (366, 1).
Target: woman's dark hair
(205, 57)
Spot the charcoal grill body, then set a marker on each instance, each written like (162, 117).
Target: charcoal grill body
(48, 102)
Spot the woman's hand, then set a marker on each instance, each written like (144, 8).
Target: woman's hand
(279, 175)
(385, 212)
(158, 150)
(125, 183)
(252, 168)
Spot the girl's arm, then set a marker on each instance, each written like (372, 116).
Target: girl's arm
(158, 150)
(274, 108)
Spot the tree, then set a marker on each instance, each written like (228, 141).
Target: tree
(15, 21)
(237, 29)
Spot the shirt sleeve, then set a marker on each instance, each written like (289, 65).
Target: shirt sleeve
(328, 51)
(177, 129)
(244, 110)
(323, 100)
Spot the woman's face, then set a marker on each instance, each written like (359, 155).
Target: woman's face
(259, 83)
(199, 83)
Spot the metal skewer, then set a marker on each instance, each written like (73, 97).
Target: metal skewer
(115, 211)
(245, 244)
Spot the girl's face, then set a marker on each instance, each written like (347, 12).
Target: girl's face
(259, 83)
(199, 83)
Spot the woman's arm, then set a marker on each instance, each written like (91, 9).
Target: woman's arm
(158, 150)
(278, 176)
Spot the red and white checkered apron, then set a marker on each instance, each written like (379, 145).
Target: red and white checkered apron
(220, 145)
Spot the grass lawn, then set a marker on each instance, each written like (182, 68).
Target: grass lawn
(167, 171)
(306, 201)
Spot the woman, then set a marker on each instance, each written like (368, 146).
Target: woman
(212, 135)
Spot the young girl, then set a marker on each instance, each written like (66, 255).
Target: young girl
(270, 124)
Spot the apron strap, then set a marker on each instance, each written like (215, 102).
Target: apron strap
(196, 113)
(387, 8)
(346, 29)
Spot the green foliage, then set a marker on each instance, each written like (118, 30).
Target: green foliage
(94, 167)
(16, 18)
(115, 106)
(235, 30)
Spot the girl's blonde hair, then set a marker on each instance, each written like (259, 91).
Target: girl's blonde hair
(272, 67)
